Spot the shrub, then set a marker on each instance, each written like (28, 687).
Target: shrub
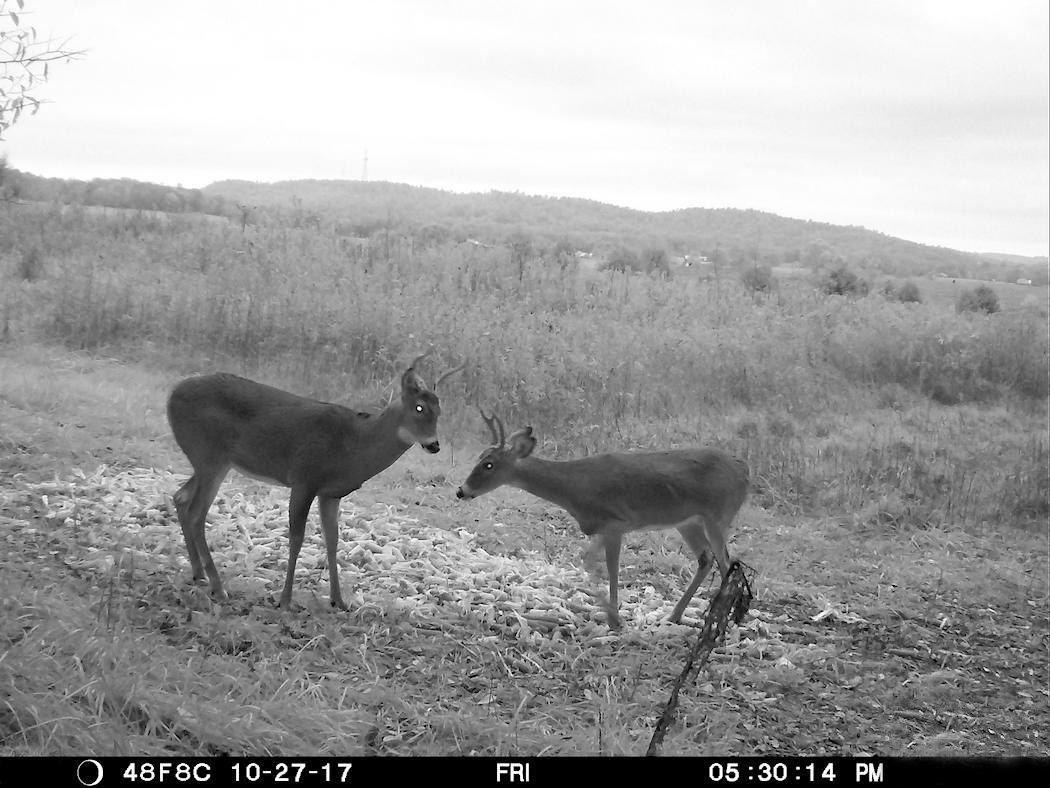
(758, 279)
(842, 280)
(908, 293)
(981, 299)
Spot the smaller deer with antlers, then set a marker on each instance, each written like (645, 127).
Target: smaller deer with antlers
(695, 491)
(318, 449)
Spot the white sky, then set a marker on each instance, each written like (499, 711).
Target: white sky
(924, 119)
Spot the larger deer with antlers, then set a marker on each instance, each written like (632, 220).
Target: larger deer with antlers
(695, 491)
(318, 449)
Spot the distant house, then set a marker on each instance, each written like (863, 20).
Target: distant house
(1024, 281)
(690, 260)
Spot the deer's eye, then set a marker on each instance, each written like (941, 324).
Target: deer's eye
(488, 466)
(419, 408)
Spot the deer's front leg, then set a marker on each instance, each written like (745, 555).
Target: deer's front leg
(298, 508)
(330, 524)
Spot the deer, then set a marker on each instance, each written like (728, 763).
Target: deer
(317, 449)
(697, 492)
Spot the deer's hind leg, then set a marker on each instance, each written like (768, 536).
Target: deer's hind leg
(192, 502)
(696, 536)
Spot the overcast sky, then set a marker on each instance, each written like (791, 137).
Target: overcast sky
(922, 119)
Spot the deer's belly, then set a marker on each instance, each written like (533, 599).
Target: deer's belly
(261, 477)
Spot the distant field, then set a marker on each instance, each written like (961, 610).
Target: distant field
(945, 290)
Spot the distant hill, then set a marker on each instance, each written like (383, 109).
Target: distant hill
(359, 208)
(1016, 259)
(741, 236)
(108, 192)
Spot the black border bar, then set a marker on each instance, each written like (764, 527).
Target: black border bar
(833, 772)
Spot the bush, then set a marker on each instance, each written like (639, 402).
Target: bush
(908, 293)
(980, 299)
(842, 280)
(758, 279)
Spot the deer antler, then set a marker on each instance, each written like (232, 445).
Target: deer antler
(492, 423)
(460, 368)
(420, 358)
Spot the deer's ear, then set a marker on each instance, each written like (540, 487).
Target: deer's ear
(522, 443)
(412, 384)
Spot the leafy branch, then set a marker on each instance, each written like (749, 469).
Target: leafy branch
(24, 64)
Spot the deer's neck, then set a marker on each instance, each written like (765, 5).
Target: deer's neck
(379, 444)
(547, 479)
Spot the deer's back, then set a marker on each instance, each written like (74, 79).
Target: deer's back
(660, 488)
(236, 415)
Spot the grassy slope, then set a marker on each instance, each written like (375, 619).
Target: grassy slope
(864, 638)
